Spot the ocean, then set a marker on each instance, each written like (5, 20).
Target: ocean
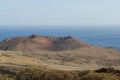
(98, 36)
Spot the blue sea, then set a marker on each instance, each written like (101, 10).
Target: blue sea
(99, 36)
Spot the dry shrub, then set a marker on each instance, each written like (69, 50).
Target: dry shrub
(31, 74)
(53, 75)
(93, 76)
(83, 73)
(108, 70)
(75, 75)
(7, 71)
(5, 77)
(27, 74)
(36, 74)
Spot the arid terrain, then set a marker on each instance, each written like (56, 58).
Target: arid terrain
(82, 58)
(56, 52)
(37, 42)
(34, 52)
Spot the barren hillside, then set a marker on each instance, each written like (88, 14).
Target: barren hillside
(37, 42)
(55, 52)
(82, 58)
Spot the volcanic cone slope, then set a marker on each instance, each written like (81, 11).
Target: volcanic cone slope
(37, 42)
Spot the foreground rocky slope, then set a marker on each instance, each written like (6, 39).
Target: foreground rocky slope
(49, 74)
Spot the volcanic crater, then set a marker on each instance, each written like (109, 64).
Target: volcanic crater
(38, 42)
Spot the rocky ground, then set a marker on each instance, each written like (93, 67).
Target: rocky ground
(82, 59)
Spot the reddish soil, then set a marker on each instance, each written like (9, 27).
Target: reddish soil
(37, 42)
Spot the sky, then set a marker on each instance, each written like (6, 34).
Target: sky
(59, 13)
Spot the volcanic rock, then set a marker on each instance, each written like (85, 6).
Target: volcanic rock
(37, 42)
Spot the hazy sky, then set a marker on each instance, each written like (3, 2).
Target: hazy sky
(60, 12)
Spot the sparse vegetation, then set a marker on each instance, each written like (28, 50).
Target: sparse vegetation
(36, 74)
(60, 65)
(80, 59)
(47, 74)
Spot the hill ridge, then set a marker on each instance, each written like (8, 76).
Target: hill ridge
(38, 42)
